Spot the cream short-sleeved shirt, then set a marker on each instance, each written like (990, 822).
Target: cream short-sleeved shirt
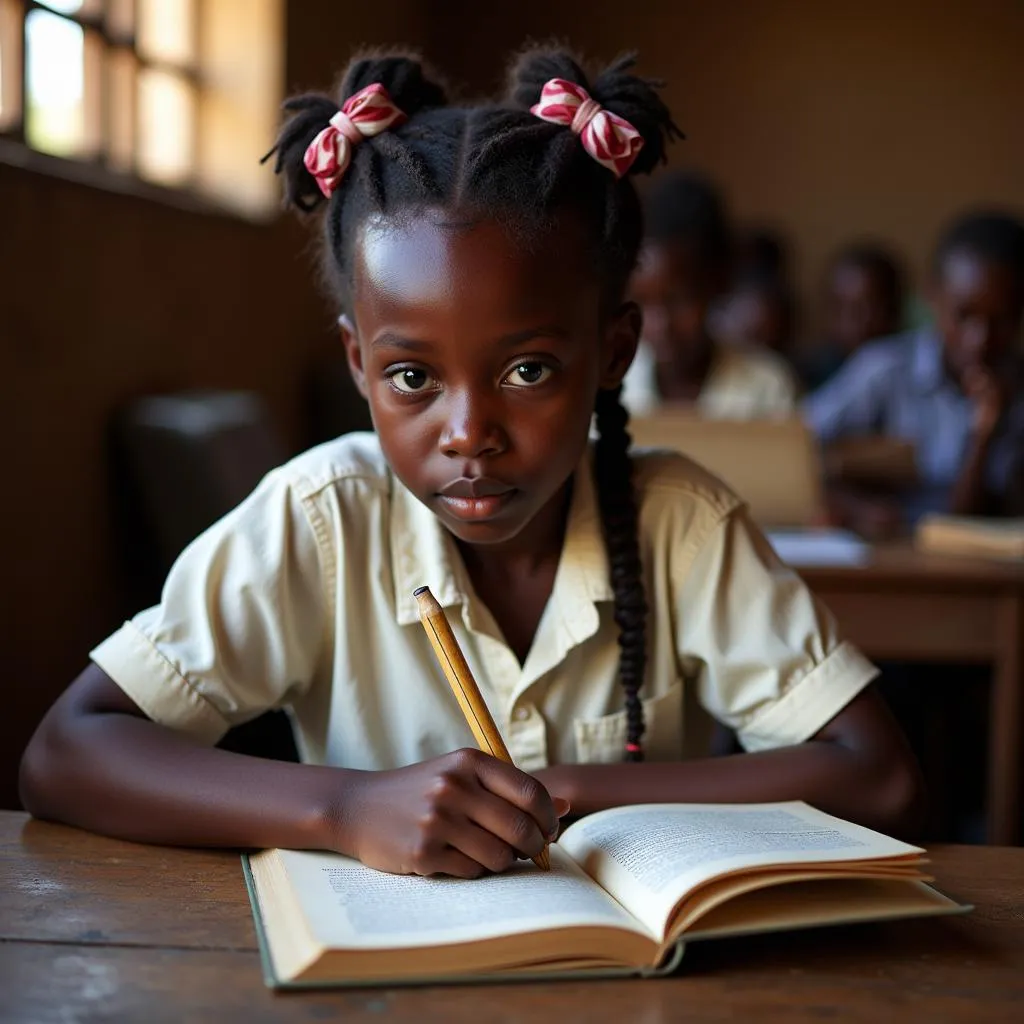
(743, 384)
(302, 598)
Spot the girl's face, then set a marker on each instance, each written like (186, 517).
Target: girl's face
(481, 360)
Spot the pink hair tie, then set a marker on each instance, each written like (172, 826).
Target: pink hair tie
(364, 114)
(611, 140)
(633, 748)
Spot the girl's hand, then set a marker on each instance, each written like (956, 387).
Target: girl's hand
(567, 780)
(463, 814)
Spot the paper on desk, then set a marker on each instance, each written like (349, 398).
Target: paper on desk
(819, 547)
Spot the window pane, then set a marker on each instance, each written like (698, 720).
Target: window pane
(55, 64)
(167, 30)
(121, 75)
(166, 126)
(10, 64)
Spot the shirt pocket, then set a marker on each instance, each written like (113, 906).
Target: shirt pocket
(603, 740)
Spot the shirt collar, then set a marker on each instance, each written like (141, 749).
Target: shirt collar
(927, 369)
(424, 554)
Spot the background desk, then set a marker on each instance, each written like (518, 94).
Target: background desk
(906, 605)
(94, 929)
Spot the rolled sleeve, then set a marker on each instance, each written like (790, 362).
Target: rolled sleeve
(764, 652)
(137, 665)
(240, 624)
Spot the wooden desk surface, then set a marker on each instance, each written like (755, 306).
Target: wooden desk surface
(94, 929)
(902, 564)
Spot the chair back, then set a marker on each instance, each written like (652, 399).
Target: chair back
(774, 465)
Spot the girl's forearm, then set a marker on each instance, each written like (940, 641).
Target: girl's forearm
(882, 795)
(129, 778)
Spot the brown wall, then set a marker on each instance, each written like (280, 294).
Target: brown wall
(825, 119)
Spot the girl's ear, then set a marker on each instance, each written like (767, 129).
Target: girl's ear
(352, 353)
(621, 337)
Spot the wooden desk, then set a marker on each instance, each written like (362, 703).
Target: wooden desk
(906, 605)
(94, 929)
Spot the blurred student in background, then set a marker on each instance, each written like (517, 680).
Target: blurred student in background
(685, 267)
(953, 390)
(863, 300)
(761, 250)
(760, 313)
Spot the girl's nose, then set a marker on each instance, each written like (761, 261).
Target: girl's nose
(471, 429)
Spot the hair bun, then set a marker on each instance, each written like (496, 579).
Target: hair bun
(533, 69)
(310, 113)
(404, 77)
(410, 84)
(628, 95)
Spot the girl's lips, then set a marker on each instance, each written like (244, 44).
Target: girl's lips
(474, 487)
(476, 509)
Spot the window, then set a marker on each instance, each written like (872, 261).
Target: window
(181, 94)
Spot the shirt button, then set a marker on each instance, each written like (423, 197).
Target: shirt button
(522, 714)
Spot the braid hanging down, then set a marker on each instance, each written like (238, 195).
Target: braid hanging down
(613, 470)
(499, 160)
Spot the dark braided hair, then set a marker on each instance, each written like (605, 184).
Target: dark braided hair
(500, 161)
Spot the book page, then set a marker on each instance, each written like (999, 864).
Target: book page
(650, 855)
(807, 904)
(350, 906)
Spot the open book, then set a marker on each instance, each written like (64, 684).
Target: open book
(625, 887)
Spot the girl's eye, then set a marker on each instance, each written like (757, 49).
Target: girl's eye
(527, 375)
(410, 381)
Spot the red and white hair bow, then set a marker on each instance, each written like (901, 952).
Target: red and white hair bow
(368, 112)
(611, 140)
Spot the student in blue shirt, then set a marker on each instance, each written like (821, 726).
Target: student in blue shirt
(953, 390)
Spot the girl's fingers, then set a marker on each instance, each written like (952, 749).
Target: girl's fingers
(450, 861)
(521, 790)
(506, 823)
(482, 847)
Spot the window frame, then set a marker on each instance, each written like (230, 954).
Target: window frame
(96, 169)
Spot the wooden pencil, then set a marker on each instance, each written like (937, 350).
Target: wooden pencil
(467, 693)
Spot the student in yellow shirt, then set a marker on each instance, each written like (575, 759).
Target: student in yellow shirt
(684, 269)
(480, 258)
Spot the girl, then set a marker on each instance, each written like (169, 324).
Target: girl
(480, 257)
